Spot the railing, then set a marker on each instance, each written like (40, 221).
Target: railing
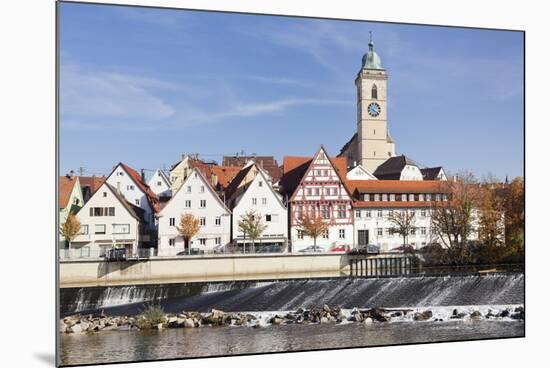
(80, 253)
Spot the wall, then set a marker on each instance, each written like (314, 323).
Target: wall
(207, 268)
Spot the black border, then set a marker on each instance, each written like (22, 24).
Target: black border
(57, 156)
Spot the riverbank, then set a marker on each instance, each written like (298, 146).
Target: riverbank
(322, 315)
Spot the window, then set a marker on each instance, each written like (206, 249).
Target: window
(300, 234)
(83, 230)
(342, 233)
(264, 201)
(202, 221)
(422, 231)
(376, 197)
(325, 212)
(423, 213)
(384, 197)
(392, 197)
(267, 218)
(159, 183)
(260, 183)
(121, 228)
(334, 191)
(254, 201)
(172, 221)
(325, 234)
(111, 211)
(366, 197)
(390, 212)
(413, 231)
(341, 211)
(380, 213)
(99, 229)
(188, 203)
(316, 191)
(98, 211)
(327, 191)
(389, 231)
(358, 213)
(367, 214)
(218, 221)
(202, 188)
(318, 172)
(202, 241)
(104, 194)
(218, 241)
(130, 187)
(374, 92)
(325, 172)
(203, 203)
(188, 189)
(379, 231)
(308, 191)
(172, 242)
(428, 197)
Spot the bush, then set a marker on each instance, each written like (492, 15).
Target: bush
(151, 316)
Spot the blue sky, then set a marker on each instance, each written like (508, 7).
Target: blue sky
(143, 86)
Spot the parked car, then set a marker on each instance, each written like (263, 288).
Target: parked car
(340, 248)
(406, 248)
(365, 249)
(312, 249)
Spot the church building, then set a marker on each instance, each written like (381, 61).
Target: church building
(372, 145)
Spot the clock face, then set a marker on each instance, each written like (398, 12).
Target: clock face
(374, 109)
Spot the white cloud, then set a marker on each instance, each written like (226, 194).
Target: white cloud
(94, 95)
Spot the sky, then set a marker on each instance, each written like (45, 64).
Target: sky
(144, 86)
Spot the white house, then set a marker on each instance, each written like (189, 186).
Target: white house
(398, 168)
(316, 185)
(108, 219)
(197, 197)
(160, 184)
(134, 189)
(360, 173)
(252, 190)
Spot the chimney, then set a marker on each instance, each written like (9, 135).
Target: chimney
(454, 178)
(214, 180)
(143, 175)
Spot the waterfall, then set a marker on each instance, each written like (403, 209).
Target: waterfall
(293, 294)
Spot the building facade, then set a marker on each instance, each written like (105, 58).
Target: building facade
(160, 184)
(108, 220)
(252, 192)
(70, 198)
(316, 186)
(197, 197)
(129, 183)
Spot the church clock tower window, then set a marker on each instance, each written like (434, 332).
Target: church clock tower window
(374, 92)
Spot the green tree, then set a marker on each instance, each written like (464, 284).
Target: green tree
(251, 224)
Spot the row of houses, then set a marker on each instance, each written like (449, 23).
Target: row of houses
(122, 209)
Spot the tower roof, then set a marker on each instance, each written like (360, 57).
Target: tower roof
(371, 60)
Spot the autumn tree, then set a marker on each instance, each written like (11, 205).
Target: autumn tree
(514, 214)
(70, 228)
(188, 227)
(312, 226)
(251, 224)
(452, 219)
(403, 223)
(491, 217)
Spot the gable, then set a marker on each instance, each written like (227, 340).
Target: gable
(324, 169)
(111, 199)
(360, 173)
(195, 180)
(254, 189)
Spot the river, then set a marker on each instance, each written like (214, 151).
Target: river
(439, 294)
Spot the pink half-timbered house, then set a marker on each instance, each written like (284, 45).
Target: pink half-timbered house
(317, 185)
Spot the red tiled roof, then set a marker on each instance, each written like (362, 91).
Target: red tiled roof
(66, 185)
(392, 204)
(266, 162)
(151, 196)
(93, 182)
(396, 186)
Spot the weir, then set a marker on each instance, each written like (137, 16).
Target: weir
(389, 292)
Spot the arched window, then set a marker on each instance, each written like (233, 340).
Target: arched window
(374, 92)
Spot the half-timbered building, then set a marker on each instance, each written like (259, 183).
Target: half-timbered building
(315, 185)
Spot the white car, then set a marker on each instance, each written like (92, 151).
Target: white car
(312, 249)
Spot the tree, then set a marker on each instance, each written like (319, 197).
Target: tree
(514, 214)
(491, 219)
(188, 227)
(70, 228)
(312, 226)
(452, 219)
(403, 221)
(251, 223)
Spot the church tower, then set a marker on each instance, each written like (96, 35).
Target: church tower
(374, 143)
